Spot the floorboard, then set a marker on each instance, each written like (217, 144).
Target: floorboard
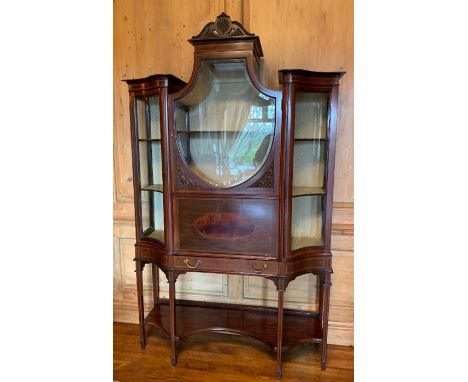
(219, 357)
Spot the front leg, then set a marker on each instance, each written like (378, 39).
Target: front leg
(325, 284)
(279, 342)
(172, 316)
(141, 309)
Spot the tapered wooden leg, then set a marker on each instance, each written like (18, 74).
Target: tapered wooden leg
(279, 342)
(155, 274)
(172, 316)
(325, 284)
(141, 308)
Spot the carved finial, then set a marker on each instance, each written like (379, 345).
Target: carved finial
(222, 27)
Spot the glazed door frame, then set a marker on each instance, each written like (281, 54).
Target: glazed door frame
(290, 89)
(265, 184)
(160, 89)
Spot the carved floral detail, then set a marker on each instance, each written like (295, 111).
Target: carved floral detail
(183, 178)
(267, 179)
(223, 27)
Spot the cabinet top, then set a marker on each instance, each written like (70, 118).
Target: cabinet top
(155, 81)
(224, 30)
(292, 75)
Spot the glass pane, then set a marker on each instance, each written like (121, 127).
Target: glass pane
(141, 116)
(311, 118)
(158, 216)
(151, 165)
(225, 125)
(157, 163)
(151, 181)
(309, 166)
(147, 110)
(306, 225)
(144, 175)
(154, 117)
(146, 223)
(152, 212)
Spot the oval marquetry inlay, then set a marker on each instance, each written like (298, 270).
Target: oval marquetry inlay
(224, 226)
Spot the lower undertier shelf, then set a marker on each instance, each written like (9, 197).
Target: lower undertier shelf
(257, 322)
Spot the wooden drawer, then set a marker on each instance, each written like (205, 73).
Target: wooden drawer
(217, 265)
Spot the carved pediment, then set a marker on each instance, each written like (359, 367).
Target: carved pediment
(224, 29)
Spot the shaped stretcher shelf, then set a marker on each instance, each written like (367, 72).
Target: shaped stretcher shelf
(259, 323)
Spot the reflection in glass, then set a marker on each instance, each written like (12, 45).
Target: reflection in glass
(225, 125)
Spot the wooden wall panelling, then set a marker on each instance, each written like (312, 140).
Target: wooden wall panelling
(315, 35)
(145, 32)
(233, 8)
(192, 286)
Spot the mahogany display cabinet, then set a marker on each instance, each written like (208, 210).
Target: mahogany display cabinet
(232, 177)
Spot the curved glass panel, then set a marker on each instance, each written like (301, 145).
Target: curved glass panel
(309, 164)
(150, 159)
(225, 126)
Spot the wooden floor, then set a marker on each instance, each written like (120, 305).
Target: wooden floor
(220, 357)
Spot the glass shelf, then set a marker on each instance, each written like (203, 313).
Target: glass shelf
(309, 139)
(154, 234)
(304, 191)
(150, 140)
(212, 131)
(302, 242)
(153, 187)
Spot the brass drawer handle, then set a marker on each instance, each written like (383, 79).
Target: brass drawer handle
(263, 267)
(187, 263)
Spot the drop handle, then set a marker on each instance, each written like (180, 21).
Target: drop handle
(187, 263)
(262, 268)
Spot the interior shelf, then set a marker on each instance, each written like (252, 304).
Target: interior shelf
(150, 140)
(309, 139)
(154, 234)
(260, 323)
(303, 242)
(153, 187)
(211, 131)
(303, 191)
